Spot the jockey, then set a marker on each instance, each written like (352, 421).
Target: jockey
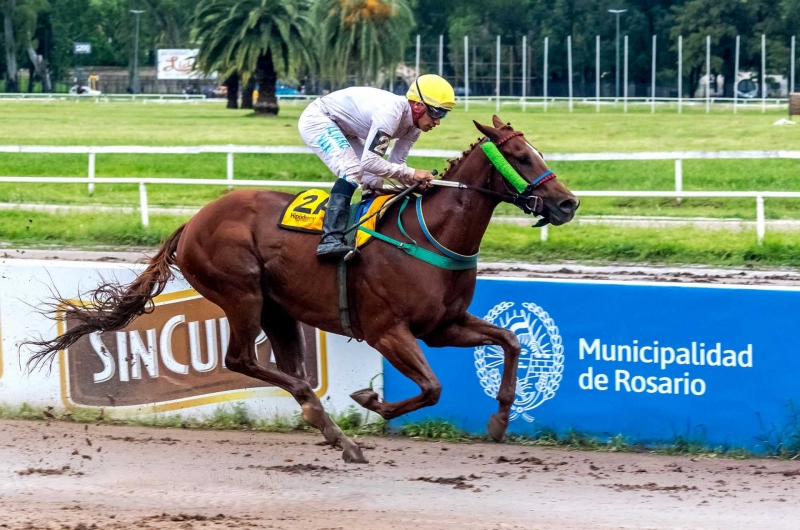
(350, 131)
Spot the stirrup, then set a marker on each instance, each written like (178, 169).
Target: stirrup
(333, 250)
(354, 253)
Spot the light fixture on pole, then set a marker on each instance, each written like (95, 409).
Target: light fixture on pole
(136, 12)
(617, 12)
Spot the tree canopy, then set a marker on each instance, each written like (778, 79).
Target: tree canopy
(355, 39)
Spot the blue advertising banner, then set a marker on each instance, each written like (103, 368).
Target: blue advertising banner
(648, 361)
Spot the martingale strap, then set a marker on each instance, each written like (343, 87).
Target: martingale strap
(448, 261)
(441, 248)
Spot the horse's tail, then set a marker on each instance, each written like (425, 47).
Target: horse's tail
(110, 307)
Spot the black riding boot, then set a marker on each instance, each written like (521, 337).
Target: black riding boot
(333, 244)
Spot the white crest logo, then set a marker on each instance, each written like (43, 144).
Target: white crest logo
(541, 361)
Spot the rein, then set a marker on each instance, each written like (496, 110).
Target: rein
(522, 196)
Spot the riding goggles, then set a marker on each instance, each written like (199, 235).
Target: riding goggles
(435, 112)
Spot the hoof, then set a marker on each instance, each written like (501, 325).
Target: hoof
(497, 427)
(353, 455)
(367, 398)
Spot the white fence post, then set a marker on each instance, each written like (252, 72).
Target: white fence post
(761, 225)
(524, 70)
(763, 73)
(736, 77)
(544, 79)
(441, 55)
(92, 161)
(416, 67)
(708, 74)
(143, 204)
(543, 233)
(678, 178)
(653, 80)
(569, 68)
(230, 168)
(791, 71)
(466, 73)
(497, 77)
(625, 88)
(680, 74)
(597, 73)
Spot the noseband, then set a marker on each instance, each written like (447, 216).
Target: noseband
(522, 194)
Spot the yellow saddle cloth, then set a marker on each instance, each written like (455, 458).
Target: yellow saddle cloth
(306, 213)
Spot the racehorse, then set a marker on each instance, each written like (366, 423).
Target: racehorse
(265, 278)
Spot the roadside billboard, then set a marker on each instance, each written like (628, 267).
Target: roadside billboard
(177, 64)
(648, 361)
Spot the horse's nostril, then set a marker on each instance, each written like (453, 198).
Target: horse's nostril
(568, 205)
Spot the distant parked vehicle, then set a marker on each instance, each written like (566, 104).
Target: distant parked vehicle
(80, 90)
(280, 90)
(461, 91)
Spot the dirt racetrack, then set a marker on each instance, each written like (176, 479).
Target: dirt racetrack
(61, 475)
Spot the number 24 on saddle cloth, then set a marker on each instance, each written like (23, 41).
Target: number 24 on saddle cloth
(306, 213)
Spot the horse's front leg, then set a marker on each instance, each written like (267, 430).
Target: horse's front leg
(469, 331)
(401, 349)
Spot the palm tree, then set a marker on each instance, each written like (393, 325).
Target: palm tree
(263, 38)
(364, 36)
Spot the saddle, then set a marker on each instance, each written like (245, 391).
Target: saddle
(306, 213)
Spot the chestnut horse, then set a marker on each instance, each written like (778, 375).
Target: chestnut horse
(265, 278)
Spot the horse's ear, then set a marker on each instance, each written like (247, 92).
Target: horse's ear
(489, 132)
(498, 123)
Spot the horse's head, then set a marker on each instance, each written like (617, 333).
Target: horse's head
(522, 172)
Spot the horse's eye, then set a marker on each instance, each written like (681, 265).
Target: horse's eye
(524, 159)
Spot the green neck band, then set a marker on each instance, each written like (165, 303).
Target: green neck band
(499, 161)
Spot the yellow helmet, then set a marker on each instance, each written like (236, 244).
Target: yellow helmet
(433, 91)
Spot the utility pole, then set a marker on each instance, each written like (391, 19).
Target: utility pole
(136, 12)
(617, 12)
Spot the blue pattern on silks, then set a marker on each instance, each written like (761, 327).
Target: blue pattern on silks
(364, 208)
(332, 137)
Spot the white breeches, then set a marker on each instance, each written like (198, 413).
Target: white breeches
(342, 155)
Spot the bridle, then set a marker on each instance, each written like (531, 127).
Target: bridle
(519, 192)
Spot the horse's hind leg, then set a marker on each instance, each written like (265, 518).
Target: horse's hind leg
(288, 344)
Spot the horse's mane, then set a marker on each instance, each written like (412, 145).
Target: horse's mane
(453, 163)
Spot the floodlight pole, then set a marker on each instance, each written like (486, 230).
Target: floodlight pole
(791, 76)
(136, 12)
(597, 73)
(617, 12)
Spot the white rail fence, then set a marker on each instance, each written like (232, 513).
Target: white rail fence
(506, 101)
(230, 150)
